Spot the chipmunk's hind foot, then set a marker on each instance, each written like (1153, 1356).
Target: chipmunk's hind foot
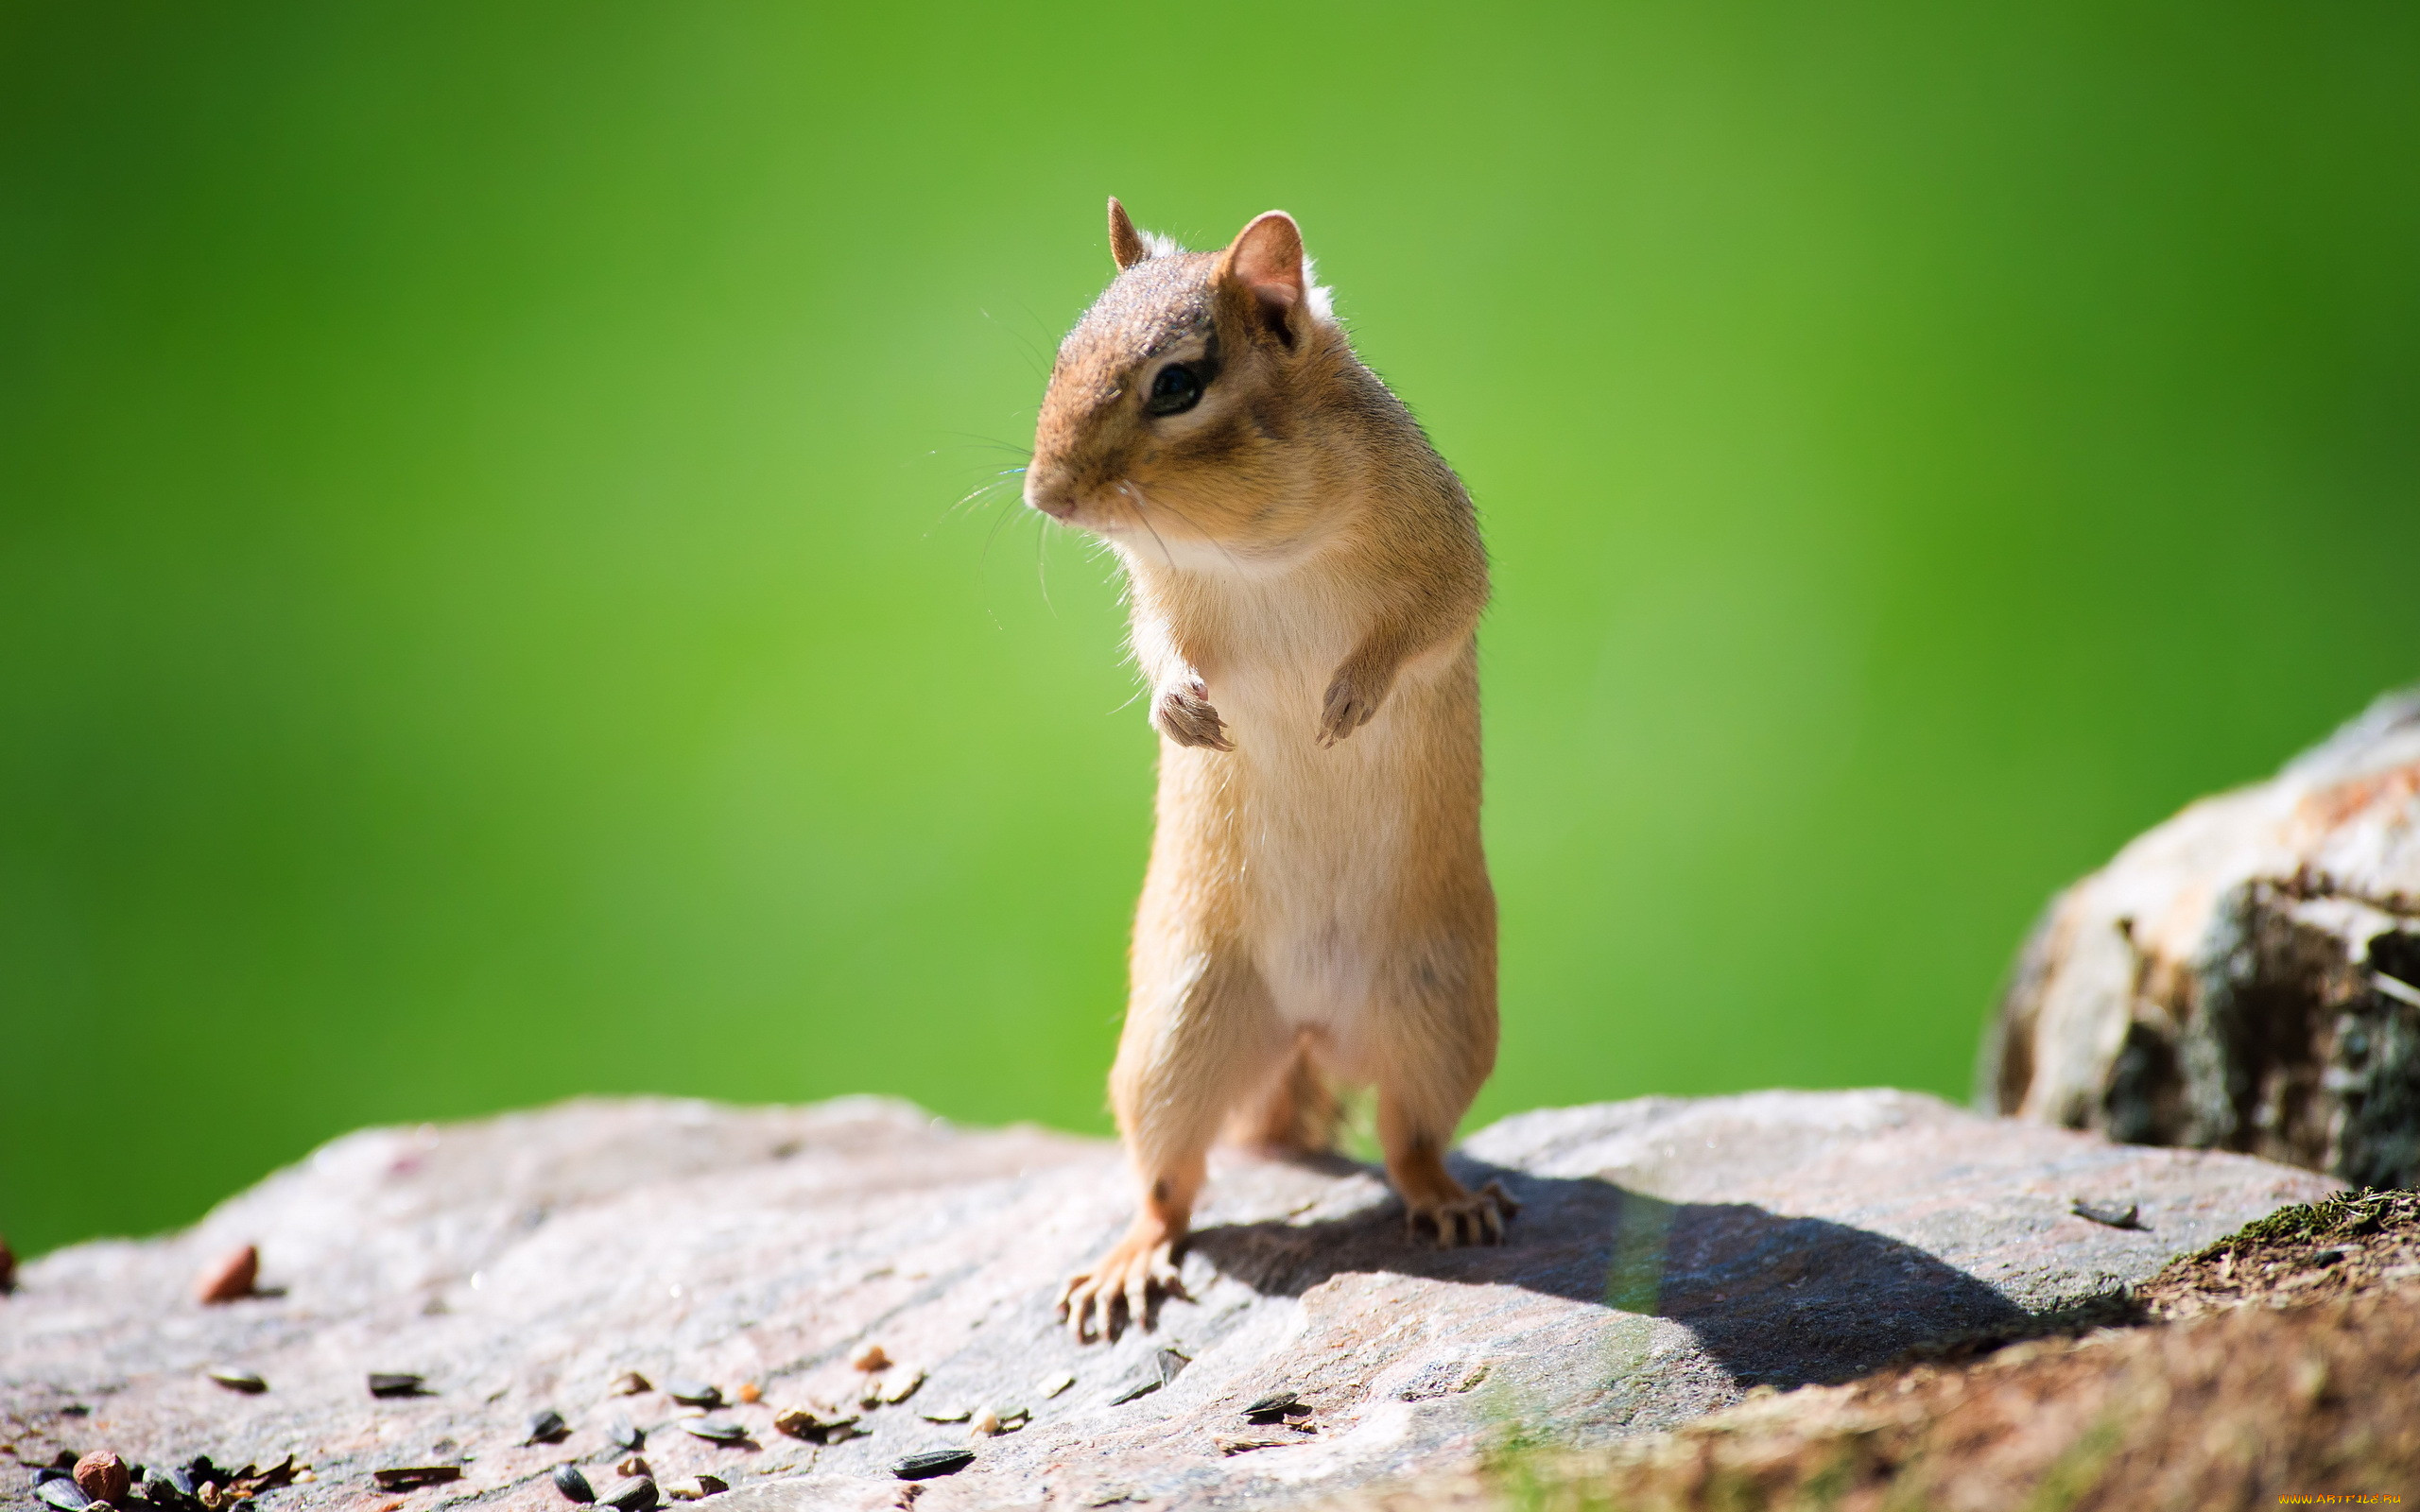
(1465, 1218)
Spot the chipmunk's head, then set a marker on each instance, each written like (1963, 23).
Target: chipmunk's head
(1179, 420)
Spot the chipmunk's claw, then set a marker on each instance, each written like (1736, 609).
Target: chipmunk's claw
(1099, 1303)
(1185, 714)
(1481, 1216)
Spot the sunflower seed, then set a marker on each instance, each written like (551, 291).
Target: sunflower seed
(1171, 1364)
(623, 1436)
(1052, 1386)
(1275, 1407)
(694, 1393)
(636, 1495)
(932, 1462)
(394, 1383)
(900, 1391)
(632, 1467)
(946, 1414)
(697, 1487)
(235, 1380)
(629, 1383)
(547, 1427)
(403, 1477)
(64, 1494)
(717, 1431)
(574, 1485)
(1141, 1385)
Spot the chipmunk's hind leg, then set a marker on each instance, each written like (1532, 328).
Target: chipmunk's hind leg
(1297, 1112)
(1191, 1047)
(1430, 1058)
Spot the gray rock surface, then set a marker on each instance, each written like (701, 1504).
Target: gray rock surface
(2246, 977)
(1670, 1255)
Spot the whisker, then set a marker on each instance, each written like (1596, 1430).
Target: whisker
(1136, 495)
(1197, 529)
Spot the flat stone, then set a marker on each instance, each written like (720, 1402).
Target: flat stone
(1669, 1256)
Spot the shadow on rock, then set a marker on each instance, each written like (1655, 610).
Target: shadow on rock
(1776, 1301)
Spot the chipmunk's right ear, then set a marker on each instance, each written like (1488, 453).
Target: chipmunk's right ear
(1126, 244)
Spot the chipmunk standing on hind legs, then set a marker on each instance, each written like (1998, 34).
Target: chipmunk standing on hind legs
(1305, 574)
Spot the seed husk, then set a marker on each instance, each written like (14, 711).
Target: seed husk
(547, 1427)
(1237, 1444)
(1275, 1407)
(869, 1358)
(946, 1414)
(820, 1425)
(633, 1468)
(895, 1389)
(63, 1493)
(716, 1431)
(405, 1477)
(636, 1495)
(625, 1435)
(394, 1383)
(236, 1379)
(1140, 1385)
(574, 1485)
(629, 1383)
(1171, 1364)
(2114, 1217)
(697, 1487)
(694, 1393)
(230, 1278)
(751, 1392)
(932, 1462)
(1051, 1385)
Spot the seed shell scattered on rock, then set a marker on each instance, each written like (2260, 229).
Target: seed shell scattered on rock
(547, 1427)
(633, 1467)
(574, 1485)
(946, 1414)
(394, 1383)
(716, 1431)
(2125, 1217)
(625, 1435)
(751, 1392)
(869, 1358)
(1275, 1407)
(636, 1495)
(897, 1391)
(694, 1393)
(932, 1462)
(1141, 1385)
(1171, 1364)
(629, 1383)
(697, 1487)
(1052, 1386)
(231, 1278)
(64, 1494)
(1235, 1444)
(237, 1379)
(820, 1425)
(403, 1477)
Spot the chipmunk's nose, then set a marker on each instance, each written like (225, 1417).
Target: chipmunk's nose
(1049, 490)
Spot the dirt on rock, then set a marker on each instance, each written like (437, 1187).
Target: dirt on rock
(2278, 1364)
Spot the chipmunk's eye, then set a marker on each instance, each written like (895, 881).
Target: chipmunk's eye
(1177, 390)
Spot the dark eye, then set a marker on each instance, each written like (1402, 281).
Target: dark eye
(1177, 390)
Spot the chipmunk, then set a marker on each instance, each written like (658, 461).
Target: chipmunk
(1306, 576)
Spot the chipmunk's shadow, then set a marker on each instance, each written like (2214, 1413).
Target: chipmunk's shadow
(1773, 1300)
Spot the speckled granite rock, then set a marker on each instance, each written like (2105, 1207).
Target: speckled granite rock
(1670, 1255)
(2246, 977)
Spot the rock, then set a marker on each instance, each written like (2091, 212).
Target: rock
(2244, 977)
(1669, 1256)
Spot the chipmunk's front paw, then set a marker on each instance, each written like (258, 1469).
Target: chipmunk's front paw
(1480, 1216)
(1351, 703)
(1123, 1282)
(1183, 712)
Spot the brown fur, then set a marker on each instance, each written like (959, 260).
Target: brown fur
(1306, 576)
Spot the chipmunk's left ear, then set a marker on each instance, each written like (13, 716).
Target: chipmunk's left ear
(1265, 262)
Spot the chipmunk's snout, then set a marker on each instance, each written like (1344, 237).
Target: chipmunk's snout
(1050, 490)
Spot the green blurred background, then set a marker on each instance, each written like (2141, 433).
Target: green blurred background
(482, 616)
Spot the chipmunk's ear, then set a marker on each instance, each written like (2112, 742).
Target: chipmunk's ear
(1126, 244)
(1265, 262)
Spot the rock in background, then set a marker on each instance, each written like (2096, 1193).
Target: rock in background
(1670, 1256)
(2244, 977)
